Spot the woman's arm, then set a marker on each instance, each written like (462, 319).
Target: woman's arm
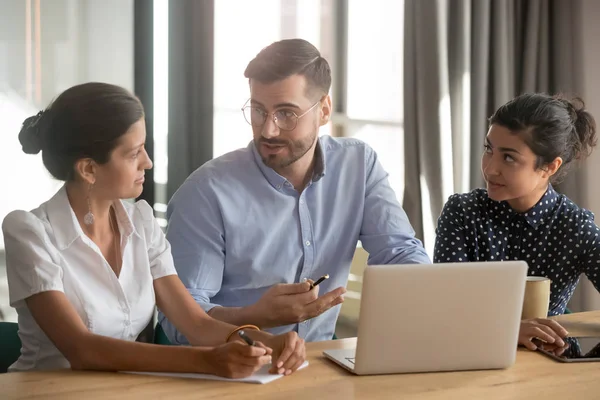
(173, 299)
(84, 350)
(200, 329)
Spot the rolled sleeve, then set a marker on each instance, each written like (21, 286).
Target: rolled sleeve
(30, 266)
(159, 250)
(386, 232)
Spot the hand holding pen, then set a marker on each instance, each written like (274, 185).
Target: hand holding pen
(288, 351)
(246, 338)
(285, 304)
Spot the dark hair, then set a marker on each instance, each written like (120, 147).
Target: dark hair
(552, 126)
(84, 121)
(285, 58)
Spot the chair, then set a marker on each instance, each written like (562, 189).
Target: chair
(10, 345)
(160, 337)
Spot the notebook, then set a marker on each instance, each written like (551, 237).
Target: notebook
(261, 376)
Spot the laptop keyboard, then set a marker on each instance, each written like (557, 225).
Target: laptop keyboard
(350, 359)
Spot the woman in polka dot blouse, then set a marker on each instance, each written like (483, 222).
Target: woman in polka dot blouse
(531, 142)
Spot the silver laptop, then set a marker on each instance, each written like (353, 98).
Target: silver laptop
(437, 317)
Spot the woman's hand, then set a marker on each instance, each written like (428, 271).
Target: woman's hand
(236, 359)
(546, 330)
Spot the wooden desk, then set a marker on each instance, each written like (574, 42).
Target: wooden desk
(533, 376)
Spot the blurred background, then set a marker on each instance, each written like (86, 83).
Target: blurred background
(415, 79)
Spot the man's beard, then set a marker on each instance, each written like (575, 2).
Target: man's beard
(296, 149)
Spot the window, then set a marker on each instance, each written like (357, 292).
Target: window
(45, 48)
(160, 82)
(374, 90)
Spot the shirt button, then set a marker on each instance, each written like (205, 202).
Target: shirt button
(127, 323)
(287, 184)
(278, 187)
(307, 243)
(301, 201)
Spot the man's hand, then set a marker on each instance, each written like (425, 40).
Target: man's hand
(285, 304)
(289, 352)
(546, 330)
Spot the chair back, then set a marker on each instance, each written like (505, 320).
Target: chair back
(10, 345)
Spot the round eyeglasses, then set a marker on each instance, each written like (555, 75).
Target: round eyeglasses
(285, 120)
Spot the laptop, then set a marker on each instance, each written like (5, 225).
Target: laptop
(437, 317)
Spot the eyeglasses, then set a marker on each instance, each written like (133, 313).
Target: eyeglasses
(284, 119)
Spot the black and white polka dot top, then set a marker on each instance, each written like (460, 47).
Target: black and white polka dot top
(556, 238)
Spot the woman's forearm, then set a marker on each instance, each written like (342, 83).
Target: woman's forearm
(189, 318)
(103, 353)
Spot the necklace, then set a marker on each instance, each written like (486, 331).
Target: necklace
(116, 242)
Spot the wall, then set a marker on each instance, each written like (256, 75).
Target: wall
(587, 297)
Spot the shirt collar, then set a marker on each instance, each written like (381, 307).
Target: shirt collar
(320, 158)
(276, 180)
(65, 225)
(535, 215)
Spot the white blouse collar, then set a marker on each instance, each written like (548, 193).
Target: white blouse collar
(62, 216)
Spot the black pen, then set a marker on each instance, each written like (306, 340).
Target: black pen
(321, 279)
(243, 335)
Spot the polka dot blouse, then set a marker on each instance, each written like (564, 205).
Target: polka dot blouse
(556, 238)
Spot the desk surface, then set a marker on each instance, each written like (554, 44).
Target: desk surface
(533, 375)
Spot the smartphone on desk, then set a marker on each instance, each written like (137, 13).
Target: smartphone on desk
(576, 349)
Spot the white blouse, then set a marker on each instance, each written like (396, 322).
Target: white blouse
(46, 249)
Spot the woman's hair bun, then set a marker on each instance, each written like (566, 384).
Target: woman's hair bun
(31, 134)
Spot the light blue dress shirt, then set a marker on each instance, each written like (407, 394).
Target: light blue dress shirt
(236, 228)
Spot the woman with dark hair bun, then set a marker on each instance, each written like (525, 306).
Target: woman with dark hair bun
(87, 269)
(531, 143)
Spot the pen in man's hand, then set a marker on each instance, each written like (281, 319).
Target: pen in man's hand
(243, 335)
(321, 279)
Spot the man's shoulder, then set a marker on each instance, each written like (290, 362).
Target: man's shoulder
(214, 176)
(226, 166)
(342, 144)
(346, 152)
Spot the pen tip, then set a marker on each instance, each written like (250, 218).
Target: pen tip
(326, 276)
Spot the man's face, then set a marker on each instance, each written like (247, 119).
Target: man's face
(286, 99)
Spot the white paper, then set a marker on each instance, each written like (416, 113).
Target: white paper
(260, 376)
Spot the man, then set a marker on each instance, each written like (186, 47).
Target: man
(251, 230)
